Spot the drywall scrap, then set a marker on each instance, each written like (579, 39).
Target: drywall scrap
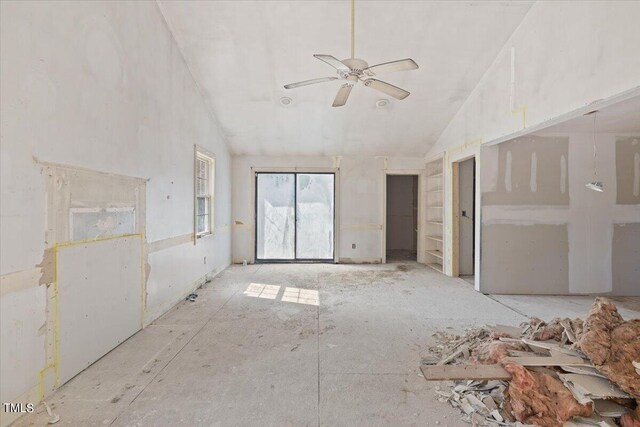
(567, 372)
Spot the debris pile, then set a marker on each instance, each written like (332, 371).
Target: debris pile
(567, 372)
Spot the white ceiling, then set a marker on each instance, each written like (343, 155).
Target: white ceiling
(623, 117)
(241, 53)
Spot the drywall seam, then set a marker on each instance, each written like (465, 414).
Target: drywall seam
(533, 179)
(144, 256)
(518, 179)
(476, 88)
(159, 245)
(99, 239)
(462, 147)
(578, 112)
(19, 280)
(82, 169)
(361, 227)
(515, 111)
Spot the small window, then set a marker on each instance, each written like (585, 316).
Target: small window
(204, 174)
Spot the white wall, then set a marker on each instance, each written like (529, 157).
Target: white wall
(360, 204)
(101, 86)
(567, 55)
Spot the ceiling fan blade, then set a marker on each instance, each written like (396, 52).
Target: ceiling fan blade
(388, 67)
(309, 82)
(343, 95)
(390, 90)
(335, 63)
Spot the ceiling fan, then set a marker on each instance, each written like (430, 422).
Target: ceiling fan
(353, 70)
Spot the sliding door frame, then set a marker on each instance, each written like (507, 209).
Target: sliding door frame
(295, 171)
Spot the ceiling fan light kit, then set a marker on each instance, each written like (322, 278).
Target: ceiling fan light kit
(354, 70)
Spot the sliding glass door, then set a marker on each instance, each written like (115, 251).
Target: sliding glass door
(295, 216)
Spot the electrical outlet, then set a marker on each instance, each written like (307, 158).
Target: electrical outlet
(353, 246)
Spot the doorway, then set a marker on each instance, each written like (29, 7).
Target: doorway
(295, 217)
(402, 218)
(465, 219)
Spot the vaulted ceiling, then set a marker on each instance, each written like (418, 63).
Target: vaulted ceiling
(241, 53)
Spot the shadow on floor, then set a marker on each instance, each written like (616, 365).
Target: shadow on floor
(401, 255)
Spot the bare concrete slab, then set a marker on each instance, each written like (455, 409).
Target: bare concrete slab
(245, 354)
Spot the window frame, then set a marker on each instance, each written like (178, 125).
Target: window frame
(203, 155)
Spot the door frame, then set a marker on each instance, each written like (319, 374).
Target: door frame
(420, 173)
(336, 204)
(455, 226)
(453, 217)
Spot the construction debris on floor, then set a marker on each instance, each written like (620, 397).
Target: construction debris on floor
(567, 372)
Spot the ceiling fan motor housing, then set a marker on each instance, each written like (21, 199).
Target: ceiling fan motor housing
(356, 65)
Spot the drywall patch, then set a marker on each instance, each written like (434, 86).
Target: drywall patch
(103, 204)
(519, 182)
(525, 259)
(628, 170)
(159, 245)
(625, 259)
(47, 266)
(19, 280)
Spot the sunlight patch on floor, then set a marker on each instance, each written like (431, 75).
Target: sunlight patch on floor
(296, 295)
(258, 290)
(301, 296)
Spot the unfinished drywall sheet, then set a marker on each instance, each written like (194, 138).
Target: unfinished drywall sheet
(530, 171)
(628, 170)
(625, 259)
(99, 288)
(525, 259)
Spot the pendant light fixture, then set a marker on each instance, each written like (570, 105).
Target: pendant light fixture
(596, 184)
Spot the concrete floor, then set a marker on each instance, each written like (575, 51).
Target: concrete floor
(246, 354)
